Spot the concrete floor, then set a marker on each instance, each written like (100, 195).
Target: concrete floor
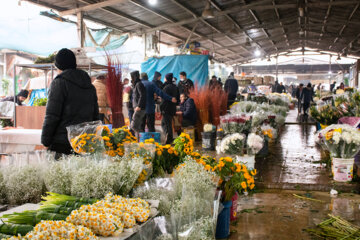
(278, 214)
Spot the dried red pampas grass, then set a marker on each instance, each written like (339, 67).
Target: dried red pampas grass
(216, 105)
(114, 90)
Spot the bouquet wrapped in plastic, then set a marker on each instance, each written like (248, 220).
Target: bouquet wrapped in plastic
(233, 144)
(342, 141)
(254, 144)
(85, 138)
(235, 123)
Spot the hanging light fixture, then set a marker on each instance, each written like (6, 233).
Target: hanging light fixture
(248, 43)
(301, 32)
(208, 12)
(338, 58)
(269, 59)
(257, 53)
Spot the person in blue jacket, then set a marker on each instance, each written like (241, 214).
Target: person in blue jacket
(152, 91)
(188, 110)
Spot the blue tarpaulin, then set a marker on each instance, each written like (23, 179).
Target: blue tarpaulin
(195, 66)
(36, 93)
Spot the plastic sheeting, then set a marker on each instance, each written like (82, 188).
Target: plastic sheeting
(104, 38)
(195, 66)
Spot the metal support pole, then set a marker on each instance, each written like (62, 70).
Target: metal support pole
(188, 38)
(15, 95)
(330, 70)
(46, 73)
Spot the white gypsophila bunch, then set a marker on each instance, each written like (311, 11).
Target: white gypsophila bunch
(195, 190)
(280, 120)
(202, 229)
(2, 188)
(244, 107)
(23, 184)
(58, 176)
(254, 143)
(153, 192)
(258, 118)
(132, 168)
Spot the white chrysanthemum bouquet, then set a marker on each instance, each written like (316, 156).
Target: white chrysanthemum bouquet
(233, 144)
(343, 141)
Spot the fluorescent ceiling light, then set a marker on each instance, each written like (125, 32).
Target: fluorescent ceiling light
(152, 2)
(257, 53)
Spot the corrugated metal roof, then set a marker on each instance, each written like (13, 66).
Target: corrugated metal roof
(272, 26)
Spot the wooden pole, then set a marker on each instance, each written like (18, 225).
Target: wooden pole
(81, 28)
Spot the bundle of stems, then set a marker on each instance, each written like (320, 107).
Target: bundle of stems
(224, 102)
(65, 200)
(114, 90)
(335, 228)
(201, 97)
(217, 105)
(15, 229)
(32, 217)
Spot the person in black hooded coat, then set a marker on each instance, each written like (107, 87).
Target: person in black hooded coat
(157, 80)
(72, 100)
(168, 108)
(138, 99)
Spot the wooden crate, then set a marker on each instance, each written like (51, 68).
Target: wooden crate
(30, 117)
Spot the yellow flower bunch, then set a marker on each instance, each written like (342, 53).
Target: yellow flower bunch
(268, 133)
(233, 176)
(87, 143)
(184, 145)
(58, 230)
(101, 224)
(114, 142)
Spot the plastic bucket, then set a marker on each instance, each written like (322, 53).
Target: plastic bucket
(208, 140)
(147, 135)
(318, 126)
(191, 132)
(223, 222)
(233, 209)
(343, 169)
(249, 161)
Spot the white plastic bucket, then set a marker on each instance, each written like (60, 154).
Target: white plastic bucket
(249, 161)
(343, 169)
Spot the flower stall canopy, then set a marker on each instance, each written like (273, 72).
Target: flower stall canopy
(195, 66)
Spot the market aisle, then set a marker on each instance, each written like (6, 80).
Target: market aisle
(278, 214)
(295, 158)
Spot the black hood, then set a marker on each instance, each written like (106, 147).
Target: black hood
(135, 77)
(156, 75)
(77, 77)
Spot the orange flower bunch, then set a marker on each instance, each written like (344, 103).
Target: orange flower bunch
(87, 143)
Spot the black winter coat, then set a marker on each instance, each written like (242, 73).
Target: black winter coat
(168, 107)
(139, 95)
(307, 95)
(72, 100)
(185, 86)
(231, 87)
(188, 109)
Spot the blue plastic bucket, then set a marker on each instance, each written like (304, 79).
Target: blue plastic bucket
(223, 222)
(147, 135)
(318, 126)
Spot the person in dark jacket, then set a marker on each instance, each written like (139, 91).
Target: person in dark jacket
(231, 87)
(188, 110)
(157, 80)
(332, 86)
(72, 100)
(307, 97)
(152, 91)
(138, 98)
(168, 109)
(185, 85)
(20, 97)
(280, 88)
(214, 83)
